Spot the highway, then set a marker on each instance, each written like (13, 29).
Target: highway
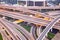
(48, 27)
(3, 33)
(23, 10)
(17, 33)
(9, 30)
(15, 30)
(38, 30)
(55, 13)
(50, 12)
(42, 7)
(33, 32)
(26, 33)
(5, 37)
(23, 17)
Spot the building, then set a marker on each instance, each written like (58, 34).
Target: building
(32, 2)
(38, 2)
(9, 1)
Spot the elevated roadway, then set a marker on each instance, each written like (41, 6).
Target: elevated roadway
(26, 33)
(26, 18)
(42, 7)
(23, 17)
(48, 27)
(3, 33)
(23, 10)
(54, 13)
(33, 32)
(9, 31)
(4, 36)
(15, 31)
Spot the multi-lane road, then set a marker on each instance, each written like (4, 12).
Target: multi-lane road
(33, 32)
(24, 17)
(26, 33)
(42, 7)
(9, 30)
(22, 10)
(48, 27)
(17, 32)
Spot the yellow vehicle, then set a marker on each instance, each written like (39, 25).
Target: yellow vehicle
(44, 18)
(18, 21)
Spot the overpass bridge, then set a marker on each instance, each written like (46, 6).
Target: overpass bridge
(25, 11)
(47, 17)
(27, 18)
(24, 17)
(30, 12)
(42, 7)
(48, 27)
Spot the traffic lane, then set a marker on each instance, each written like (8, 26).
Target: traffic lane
(24, 17)
(26, 33)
